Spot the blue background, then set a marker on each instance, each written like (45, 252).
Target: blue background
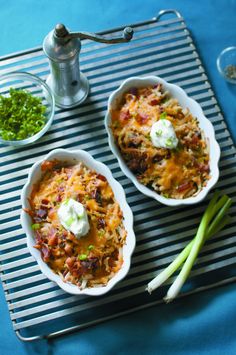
(200, 324)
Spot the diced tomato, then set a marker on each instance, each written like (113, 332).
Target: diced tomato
(53, 240)
(45, 201)
(124, 116)
(141, 118)
(101, 177)
(153, 102)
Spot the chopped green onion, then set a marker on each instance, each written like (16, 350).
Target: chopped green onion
(213, 220)
(22, 115)
(69, 221)
(169, 142)
(90, 247)
(166, 195)
(159, 132)
(35, 226)
(82, 256)
(163, 115)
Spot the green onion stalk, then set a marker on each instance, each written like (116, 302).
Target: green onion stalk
(213, 220)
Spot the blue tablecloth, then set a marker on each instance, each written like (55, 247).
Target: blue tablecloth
(200, 324)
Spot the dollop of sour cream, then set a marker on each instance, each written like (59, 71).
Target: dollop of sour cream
(163, 134)
(73, 217)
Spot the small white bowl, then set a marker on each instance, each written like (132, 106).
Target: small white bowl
(186, 102)
(72, 157)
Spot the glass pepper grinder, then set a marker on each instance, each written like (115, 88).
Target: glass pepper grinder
(69, 85)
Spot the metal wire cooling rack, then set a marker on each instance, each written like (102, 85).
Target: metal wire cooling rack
(38, 308)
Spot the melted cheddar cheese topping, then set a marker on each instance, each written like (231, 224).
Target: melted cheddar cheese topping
(93, 259)
(179, 172)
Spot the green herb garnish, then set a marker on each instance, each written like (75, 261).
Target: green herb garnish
(22, 115)
(159, 132)
(169, 142)
(163, 116)
(90, 247)
(166, 195)
(35, 226)
(66, 201)
(69, 221)
(82, 256)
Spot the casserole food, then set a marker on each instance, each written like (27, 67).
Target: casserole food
(162, 140)
(96, 255)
